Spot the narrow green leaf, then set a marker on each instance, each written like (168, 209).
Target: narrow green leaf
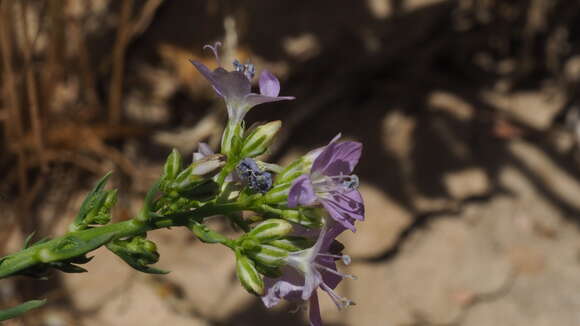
(87, 203)
(27, 240)
(21, 309)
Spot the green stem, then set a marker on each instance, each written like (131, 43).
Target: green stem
(77, 243)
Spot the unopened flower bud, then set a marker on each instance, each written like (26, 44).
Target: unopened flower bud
(269, 255)
(198, 172)
(248, 275)
(209, 165)
(100, 213)
(172, 166)
(292, 243)
(278, 194)
(232, 138)
(291, 172)
(258, 141)
(138, 252)
(270, 229)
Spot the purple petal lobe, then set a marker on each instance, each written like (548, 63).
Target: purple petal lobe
(209, 75)
(232, 85)
(256, 99)
(338, 158)
(204, 149)
(301, 192)
(269, 84)
(345, 208)
(288, 286)
(314, 311)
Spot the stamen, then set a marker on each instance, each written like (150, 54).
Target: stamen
(247, 69)
(298, 308)
(330, 270)
(214, 49)
(250, 70)
(345, 258)
(339, 301)
(238, 66)
(342, 183)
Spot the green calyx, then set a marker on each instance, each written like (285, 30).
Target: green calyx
(137, 252)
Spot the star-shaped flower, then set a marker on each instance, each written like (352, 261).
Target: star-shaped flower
(331, 183)
(236, 88)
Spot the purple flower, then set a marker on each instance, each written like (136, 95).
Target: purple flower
(306, 271)
(235, 86)
(331, 184)
(203, 150)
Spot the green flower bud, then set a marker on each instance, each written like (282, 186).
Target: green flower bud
(273, 272)
(305, 216)
(269, 230)
(258, 141)
(269, 255)
(248, 275)
(197, 173)
(172, 166)
(96, 207)
(100, 212)
(249, 244)
(138, 252)
(278, 194)
(292, 243)
(291, 172)
(232, 138)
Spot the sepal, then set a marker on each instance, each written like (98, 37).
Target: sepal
(269, 230)
(259, 139)
(137, 252)
(248, 275)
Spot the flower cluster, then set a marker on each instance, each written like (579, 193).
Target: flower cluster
(288, 249)
(318, 194)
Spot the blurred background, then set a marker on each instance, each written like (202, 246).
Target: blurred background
(468, 111)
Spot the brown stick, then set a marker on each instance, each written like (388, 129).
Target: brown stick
(14, 125)
(31, 89)
(116, 89)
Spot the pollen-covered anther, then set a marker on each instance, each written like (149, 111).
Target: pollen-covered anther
(345, 258)
(247, 69)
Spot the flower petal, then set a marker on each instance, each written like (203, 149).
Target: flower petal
(345, 208)
(314, 311)
(301, 192)
(232, 85)
(288, 286)
(256, 99)
(269, 84)
(338, 158)
(204, 149)
(208, 74)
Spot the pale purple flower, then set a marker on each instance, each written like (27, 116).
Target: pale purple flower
(236, 88)
(306, 271)
(203, 150)
(331, 184)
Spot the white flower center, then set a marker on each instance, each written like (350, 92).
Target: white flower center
(342, 183)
